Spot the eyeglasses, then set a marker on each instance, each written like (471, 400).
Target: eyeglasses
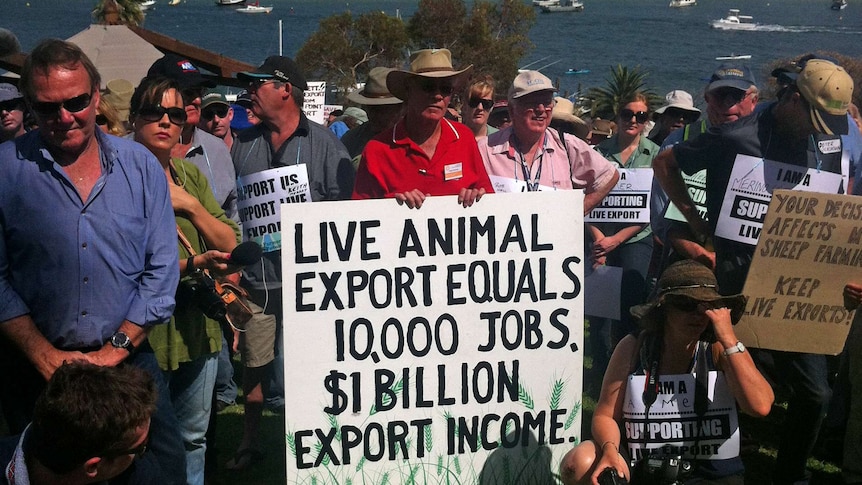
(101, 120)
(530, 103)
(255, 84)
(72, 105)
(487, 104)
(12, 105)
(729, 96)
(431, 86)
(212, 111)
(153, 114)
(681, 114)
(684, 303)
(640, 116)
(138, 451)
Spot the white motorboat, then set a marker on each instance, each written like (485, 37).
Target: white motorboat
(734, 57)
(227, 3)
(545, 3)
(734, 21)
(254, 8)
(564, 6)
(839, 4)
(682, 3)
(146, 4)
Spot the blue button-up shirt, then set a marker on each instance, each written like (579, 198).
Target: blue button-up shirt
(80, 268)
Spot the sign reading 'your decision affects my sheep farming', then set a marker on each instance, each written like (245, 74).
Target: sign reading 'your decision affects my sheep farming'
(439, 345)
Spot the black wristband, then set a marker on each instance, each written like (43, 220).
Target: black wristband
(190, 265)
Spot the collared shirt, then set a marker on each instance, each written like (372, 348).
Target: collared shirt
(574, 165)
(15, 470)
(211, 156)
(80, 268)
(330, 175)
(393, 163)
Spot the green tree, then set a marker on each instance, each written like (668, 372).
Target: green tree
(438, 24)
(623, 83)
(116, 12)
(345, 48)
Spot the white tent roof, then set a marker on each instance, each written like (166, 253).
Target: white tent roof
(117, 52)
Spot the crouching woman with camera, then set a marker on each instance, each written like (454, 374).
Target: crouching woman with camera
(667, 412)
(187, 347)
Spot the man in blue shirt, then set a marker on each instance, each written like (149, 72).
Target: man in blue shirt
(88, 259)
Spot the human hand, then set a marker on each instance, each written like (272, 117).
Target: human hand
(604, 246)
(610, 458)
(467, 197)
(217, 262)
(413, 198)
(181, 200)
(852, 295)
(53, 360)
(722, 325)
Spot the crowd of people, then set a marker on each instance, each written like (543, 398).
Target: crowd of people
(119, 206)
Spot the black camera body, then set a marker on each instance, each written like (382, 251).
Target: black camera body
(200, 290)
(661, 470)
(610, 477)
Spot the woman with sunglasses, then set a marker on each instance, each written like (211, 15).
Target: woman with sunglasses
(672, 391)
(624, 245)
(477, 105)
(187, 347)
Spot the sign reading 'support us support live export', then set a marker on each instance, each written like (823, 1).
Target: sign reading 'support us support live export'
(439, 345)
(628, 201)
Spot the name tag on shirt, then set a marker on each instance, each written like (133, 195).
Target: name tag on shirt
(453, 171)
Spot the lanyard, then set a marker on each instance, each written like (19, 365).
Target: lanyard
(534, 185)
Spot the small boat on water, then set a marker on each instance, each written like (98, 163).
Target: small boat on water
(839, 4)
(682, 3)
(174, 3)
(734, 57)
(227, 3)
(545, 3)
(734, 21)
(146, 4)
(572, 71)
(564, 6)
(254, 8)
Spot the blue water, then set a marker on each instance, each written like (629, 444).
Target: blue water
(676, 46)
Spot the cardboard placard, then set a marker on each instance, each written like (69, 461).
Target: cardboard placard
(808, 250)
(314, 100)
(439, 345)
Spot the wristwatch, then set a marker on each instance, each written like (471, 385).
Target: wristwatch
(736, 349)
(122, 341)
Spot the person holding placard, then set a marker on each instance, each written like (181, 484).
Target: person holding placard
(674, 389)
(794, 143)
(423, 154)
(622, 244)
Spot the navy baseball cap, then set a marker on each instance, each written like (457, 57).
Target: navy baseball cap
(180, 70)
(279, 68)
(734, 76)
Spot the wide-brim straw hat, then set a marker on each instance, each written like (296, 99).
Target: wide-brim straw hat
(564, 110)
(431, 63)
(375, 92)
(691, 279)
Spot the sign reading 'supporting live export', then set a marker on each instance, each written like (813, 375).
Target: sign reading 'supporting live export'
(439, 345)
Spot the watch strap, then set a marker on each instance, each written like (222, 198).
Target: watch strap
(736, 349)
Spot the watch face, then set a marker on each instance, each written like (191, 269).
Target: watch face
(120, 340)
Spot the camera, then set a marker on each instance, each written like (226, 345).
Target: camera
(200, 290)
(661, 470)
(610, 477)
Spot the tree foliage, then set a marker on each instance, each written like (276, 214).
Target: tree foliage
(113, 12)
(623, 83)
(853, 66)
(492, 37)
(345, 48)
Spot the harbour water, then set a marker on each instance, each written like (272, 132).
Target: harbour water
(676, 47)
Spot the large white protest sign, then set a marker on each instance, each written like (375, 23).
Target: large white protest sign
(810, 247)
(628, 201)
(259, 198)
(696, 186)
(750, 188)
(314, 98)
(439, 345)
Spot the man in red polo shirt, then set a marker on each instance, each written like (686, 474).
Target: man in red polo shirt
(424, 154)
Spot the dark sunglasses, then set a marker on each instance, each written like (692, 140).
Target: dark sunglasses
(190, 94)
(684, 303)
(72, 105)
(487, 104)
(640, 116)
(101, 120)
(431, 86)
(12, 105)
(681, 114)
(138, 451)
(153, 114)
(211, 112)
(729, 96)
